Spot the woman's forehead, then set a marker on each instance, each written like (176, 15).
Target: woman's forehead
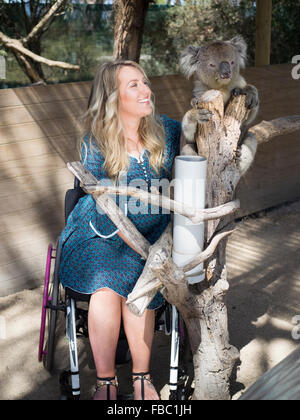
(128, 73)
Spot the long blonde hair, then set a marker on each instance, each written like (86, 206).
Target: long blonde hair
(102, 121)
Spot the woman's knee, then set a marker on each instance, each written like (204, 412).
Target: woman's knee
(106, 294)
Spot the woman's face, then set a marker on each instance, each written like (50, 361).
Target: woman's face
(134, 93)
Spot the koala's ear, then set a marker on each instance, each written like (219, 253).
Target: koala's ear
(189, 60)
(240, 45)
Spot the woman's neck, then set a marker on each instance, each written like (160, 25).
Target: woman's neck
(131, 129)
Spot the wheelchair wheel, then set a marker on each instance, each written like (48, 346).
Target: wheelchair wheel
(46, 299)
(49, 310)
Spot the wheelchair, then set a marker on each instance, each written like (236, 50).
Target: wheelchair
(56, 299)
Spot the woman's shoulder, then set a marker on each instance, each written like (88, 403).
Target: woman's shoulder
(89, 140)
(90, 147)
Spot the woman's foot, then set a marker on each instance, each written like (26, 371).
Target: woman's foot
(106, 389)
(143, 387)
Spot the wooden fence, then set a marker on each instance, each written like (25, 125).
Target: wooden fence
(39, 133)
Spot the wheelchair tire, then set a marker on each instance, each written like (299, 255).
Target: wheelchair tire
(48, 357)
(46, 299)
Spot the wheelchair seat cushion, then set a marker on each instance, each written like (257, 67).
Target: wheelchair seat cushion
(93, 255)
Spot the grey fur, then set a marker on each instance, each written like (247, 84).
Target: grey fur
(217, 66)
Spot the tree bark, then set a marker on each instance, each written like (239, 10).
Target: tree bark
(129, 28)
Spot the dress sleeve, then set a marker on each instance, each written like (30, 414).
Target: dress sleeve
(173, 133)
(93, 160)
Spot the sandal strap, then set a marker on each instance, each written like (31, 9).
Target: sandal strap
(142, 377)
(108, 382)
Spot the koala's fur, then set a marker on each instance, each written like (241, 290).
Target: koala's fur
(217, 66)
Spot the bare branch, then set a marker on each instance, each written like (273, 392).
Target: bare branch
(266, 130)
(44, 21)
(207, 253)
(194, 214)
(17, 46)
(113, 211)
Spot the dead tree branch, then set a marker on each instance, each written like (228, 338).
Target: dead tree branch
(16, 45)
(266, 130)
(46, 19)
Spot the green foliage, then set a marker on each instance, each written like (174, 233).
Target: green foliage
(285, 30)
(201, 21)
(84, 34)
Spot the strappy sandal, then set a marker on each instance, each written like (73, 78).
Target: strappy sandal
(108, 382)
(141, 376)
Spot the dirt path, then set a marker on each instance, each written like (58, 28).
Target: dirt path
(264, 273)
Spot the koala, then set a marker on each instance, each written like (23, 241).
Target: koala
(217, 66)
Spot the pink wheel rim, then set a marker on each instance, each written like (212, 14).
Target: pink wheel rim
(46, 299)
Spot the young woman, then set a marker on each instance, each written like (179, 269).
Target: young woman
(123, 138)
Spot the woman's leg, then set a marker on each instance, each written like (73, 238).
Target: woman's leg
(139, 332)
(104, 319)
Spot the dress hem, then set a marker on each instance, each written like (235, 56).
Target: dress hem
(109, 288)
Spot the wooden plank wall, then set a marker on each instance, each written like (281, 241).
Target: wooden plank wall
(39, 130)
(39, 133)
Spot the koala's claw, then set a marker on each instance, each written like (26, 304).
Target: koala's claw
(194, 103)
(251, 95)
(237, 154)
(203, 115)
(251, 100)
(237, 92)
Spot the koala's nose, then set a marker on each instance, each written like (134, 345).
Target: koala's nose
(225, 70)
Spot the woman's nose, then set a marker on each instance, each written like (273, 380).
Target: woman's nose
(145, 90)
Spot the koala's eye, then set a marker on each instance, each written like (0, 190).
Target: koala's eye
(212, 65)
(232, 62)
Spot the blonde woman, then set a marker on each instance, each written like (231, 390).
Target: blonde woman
(123, 138)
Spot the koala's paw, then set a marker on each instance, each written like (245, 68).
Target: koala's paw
(237, 92)
(201, 116)
(251, 93)
(237, 155)
(189, 150)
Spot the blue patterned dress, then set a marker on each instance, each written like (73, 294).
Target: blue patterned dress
(93, 254)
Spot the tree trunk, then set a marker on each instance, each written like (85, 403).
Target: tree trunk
(213, 356)
(129, 27)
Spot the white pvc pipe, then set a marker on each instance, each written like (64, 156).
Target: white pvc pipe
(189, 188)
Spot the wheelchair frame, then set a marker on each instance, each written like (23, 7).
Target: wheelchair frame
(76, 320)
